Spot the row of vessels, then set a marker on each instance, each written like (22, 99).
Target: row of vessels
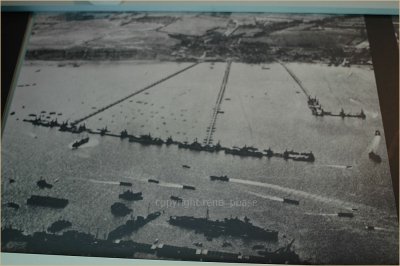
(318, 110)
(147, 139)
(87, 244)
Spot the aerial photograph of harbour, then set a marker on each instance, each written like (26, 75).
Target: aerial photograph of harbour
(221, 137)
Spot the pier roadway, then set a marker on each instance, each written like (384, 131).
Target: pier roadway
(210, 130)
(132, 94)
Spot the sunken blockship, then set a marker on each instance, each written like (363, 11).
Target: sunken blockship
(85, 244)
(245, 151)
(46, 201)
(132, 225)
(231, 227)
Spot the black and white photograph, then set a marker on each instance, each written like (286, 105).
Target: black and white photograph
(220, 137)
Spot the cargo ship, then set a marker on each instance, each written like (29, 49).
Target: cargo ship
(232, 227)
(46, 201)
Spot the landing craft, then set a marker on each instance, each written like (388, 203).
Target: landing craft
(345, 214)
(127, 184)
(291, 201)
(188, 187)
(219, 178)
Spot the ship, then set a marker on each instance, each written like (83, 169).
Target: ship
(131, 226)
(58, 226)
(169, 141)
(374, 157)
(43, 184)
(153, 181)
(245, 151)
(120, 209)
(175, 198)
(345, 214)
(103, 131)
(219, 178)
(124, 134)
(12, 205)
(78, 143)
(146, 140)
(232, 227)
(126, 184)
(129, 195)
(188, 187)
(46, 201)
(269, 153)
(291, 201)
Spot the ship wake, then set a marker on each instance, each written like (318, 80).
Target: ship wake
(299, 193)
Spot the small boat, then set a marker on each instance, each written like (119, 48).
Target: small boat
(370, 227)
(291, 201)
(178, 199)
(12, 205)
(219, 178)
(346, 214)
(43, 184)
(375, 157)
(153, 181)
(126, 184)
(12, 113)
(185, 166)
(188, 187)
(11, 180)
